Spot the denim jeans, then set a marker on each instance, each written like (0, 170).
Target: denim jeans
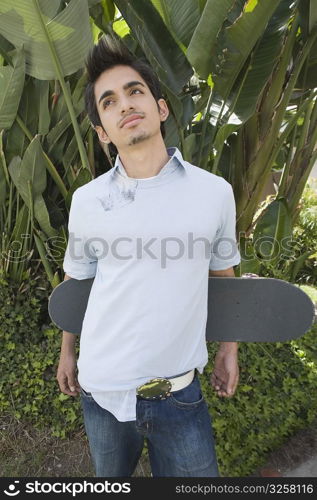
(178, 431)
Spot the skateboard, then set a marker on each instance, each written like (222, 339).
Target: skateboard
(239, 309)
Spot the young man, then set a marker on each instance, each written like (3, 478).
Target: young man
(142, 230)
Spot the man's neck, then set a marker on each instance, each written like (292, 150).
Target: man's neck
(144, 160)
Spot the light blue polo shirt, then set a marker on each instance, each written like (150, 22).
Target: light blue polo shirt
(150, 244)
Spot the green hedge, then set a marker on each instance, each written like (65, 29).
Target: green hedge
(276, 396)
(277, 392)
(30, 347)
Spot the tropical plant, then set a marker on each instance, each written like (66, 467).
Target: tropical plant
(299, 263)
(240, 78)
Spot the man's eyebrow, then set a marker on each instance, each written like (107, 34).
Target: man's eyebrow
(126, 86)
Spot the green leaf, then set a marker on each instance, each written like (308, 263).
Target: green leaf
(63, 397)
(43, 103)
(32, 23)
(82, 178)
(159, 46)
(4, 177)
(43, 254)
(237, 43)
(59, 130)
(72, 149)
(223, 133)
(17, 141)
(249, 262)
(182, 108)
(200, 49)
(30, 174)
(172, 132)
(262, 62)
(102, 13)
(11, 87)
(273, 230)
(245, 388)
(181, 22)
(20, 231)
(121, 28)
(298, 264)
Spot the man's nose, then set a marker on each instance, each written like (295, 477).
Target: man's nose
(126, 103)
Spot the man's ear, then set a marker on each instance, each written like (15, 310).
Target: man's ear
(163, 109)
(103, 137)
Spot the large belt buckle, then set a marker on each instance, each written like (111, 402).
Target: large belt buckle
(157, 388)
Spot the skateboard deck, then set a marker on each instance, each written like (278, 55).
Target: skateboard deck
(239, 309)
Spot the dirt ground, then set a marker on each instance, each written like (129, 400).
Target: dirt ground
(28, 452)
(298, 449)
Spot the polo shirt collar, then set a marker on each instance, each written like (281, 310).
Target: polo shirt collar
(176, 160)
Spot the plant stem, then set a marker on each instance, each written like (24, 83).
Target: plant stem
(65, 89)
(50, 167)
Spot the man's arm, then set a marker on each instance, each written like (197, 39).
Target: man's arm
(66, 372)
(226, 273)
(225, 375)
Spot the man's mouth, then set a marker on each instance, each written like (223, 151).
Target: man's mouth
(132, 121)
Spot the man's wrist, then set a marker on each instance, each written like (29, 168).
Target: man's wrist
(228, 346)
(68, 343)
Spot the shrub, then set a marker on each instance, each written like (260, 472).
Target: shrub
(301, 266)
(30, 347)
(276, 395)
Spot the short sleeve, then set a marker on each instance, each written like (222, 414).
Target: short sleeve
(80, 261)
(224, 249)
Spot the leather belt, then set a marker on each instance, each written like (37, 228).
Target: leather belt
(161, 388)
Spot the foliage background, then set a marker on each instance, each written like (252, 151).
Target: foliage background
(240, 80)
(242, 108)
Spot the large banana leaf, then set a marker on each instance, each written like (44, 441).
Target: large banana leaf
(182, 107)
(240, 39)
(102, 12)
(199, 51)
(3, 174)
(163, 53)
(63, 120)
(47, 36)
(181, 22)
(17, 140)
(42, 88)
(29, 177)
(19, 244)
(72, 151)
(11, 87)
(308, 16)
(226, 48)
(308, 19)
(273, 231)
(263, 60)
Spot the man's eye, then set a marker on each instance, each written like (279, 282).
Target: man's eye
(105, 103)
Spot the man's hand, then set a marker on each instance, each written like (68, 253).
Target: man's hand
(66, 374)
(225, 375)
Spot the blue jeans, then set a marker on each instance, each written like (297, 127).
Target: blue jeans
(178, 430)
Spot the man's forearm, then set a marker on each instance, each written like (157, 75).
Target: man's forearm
(68, 339)
(225, 273)
(68, 343)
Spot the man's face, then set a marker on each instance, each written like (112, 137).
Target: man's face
(121, 94)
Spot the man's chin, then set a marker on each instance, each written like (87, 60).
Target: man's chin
(138, 138)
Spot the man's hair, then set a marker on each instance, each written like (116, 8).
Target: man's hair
(106, 54)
